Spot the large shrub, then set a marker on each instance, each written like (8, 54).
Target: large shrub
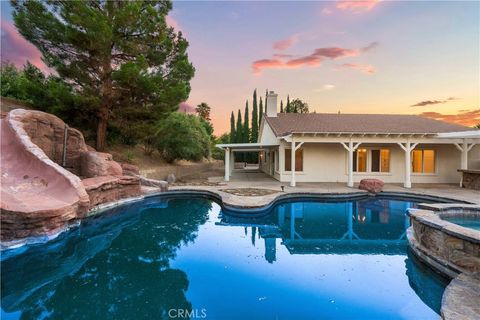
(182, 136)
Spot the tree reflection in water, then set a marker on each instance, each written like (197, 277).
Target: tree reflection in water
(93, 272)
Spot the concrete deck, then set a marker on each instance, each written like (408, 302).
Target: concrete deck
(255, 179)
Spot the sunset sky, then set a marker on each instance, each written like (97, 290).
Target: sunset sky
(355, 57)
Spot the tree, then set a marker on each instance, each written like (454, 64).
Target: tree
(477, 126)
(260, 112)
(246, 125)
(120, 55)
(232, 128)
(281, 106)
(254, 135)
(203, 111)
(288, 108)
(298, 106)
(239, 130)
(182, 136)
(217, 153)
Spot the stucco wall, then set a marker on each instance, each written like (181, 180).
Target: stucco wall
(328, 163)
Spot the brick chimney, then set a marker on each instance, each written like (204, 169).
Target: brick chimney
(271, 104)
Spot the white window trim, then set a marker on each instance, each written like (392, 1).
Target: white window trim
(435, 160)
(369, 163)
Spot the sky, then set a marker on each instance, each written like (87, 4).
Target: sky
(397, 57)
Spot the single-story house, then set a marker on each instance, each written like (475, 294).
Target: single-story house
(349, 147)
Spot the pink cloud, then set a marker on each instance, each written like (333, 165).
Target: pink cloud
(185, 107)
(357, 6)
(464, 117)
(365, 68)
(17, 50)
(259, 65)
(313, 60)
(327, 11)
(286, 43)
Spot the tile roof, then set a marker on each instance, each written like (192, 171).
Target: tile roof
(286, 123)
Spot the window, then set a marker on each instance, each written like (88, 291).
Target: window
(380, 160)
(298, 160)
(423, 161)
(377, 159)
(360, 160)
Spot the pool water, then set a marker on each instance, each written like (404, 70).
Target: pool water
(179, 258)
(468, 222)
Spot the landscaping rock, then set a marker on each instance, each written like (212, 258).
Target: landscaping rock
(130, 169)
(371, 185)
(171, 178)
(111, 188)
(94, 164)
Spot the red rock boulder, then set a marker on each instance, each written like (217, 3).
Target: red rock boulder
(94, 164)
(371, 185)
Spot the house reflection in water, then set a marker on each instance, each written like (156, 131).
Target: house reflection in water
(373, 226)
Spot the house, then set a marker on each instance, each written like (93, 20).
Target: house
(349, 147)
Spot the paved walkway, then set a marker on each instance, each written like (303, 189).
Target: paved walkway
(255, 179)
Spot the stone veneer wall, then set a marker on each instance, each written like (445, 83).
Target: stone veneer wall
(449, 248)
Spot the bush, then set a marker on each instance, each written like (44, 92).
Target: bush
(217, 153)
(182, 136)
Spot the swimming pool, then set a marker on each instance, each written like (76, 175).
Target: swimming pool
(472, 222)
(169, 258)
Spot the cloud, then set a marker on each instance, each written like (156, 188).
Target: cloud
(326, 87)
(365, 68)
(464, 117)
(431, 102)
(312, 60)
(259, 65)
(286, 43)
(17, 49)
(357, 6)
(327, 11)
(185, 107)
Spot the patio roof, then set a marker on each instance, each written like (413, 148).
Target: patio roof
(460, 134)
(245, 146)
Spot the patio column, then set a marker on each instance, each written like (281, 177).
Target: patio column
(292, 164)
(407, 147)
(350, 148)
(464, 149)
(227, 164)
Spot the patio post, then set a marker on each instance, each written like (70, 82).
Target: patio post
(350, 148)
(227, 164)
(408, 147)
(292, 164)
(464, 149)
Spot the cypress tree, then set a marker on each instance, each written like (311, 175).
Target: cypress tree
(239, 129)
(254, 135)
(281, 106)
(232, 128)
(246, 125)
(260, 112)
(289, 108)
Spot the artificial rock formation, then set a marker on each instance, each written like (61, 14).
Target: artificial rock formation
(371, 185)
(41, 187)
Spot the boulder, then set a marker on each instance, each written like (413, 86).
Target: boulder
(130, 169)
(94, 164)
(111, 188)
(162, 185)
(371, 185)
(171, 178)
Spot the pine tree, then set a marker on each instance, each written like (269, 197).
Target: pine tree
(232, 128)
(116, 53)
(289, 108)
(239, 129)
(246, 125)
(266, 94)
(254, 135)
(260, 112)
(281, 106)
